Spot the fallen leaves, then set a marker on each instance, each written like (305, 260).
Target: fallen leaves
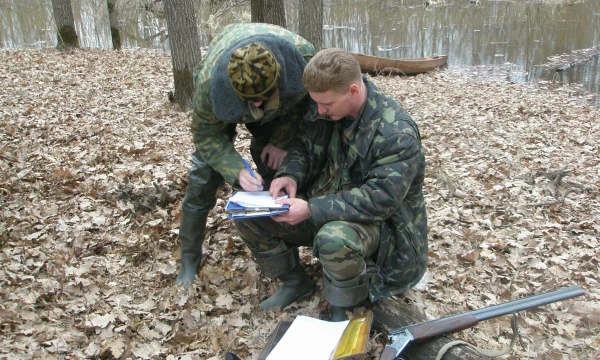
(93, 167)
(517, 157)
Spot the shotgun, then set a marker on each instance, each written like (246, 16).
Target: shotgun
(425, 331)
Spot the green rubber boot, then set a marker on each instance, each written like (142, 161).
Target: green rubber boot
(345, 295)
(191, 233)
(284, 264)
(297, 286)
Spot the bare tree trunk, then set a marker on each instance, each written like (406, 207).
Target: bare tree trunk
(65, 24)
(268, 11)
(185, 47)
(310, 15)
(114, 24)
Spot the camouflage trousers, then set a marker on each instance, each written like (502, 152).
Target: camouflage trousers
(341, 246)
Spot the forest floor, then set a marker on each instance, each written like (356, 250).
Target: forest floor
(93, 161)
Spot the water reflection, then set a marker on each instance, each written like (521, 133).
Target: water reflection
(23, 24)
(509, 38)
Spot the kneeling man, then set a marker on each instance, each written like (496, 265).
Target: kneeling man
(354, 175)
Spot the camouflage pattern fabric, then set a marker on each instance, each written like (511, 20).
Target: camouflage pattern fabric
(281, 115)
(341, 246)
(381, 181)
(253, 72)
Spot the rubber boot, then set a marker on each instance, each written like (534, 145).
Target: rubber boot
(231, 356)
(296, 284)
(191, 233)
(338, 314)
(345, 295)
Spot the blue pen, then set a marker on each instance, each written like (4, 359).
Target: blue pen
(251, 172)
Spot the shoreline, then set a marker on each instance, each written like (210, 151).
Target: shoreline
(501, 73)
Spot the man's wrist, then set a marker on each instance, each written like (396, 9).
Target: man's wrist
(308, 210)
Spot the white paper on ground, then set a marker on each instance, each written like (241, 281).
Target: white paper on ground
(255, 199)
(308, 338)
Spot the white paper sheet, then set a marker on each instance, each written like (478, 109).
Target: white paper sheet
(255, 199)
(308, 338)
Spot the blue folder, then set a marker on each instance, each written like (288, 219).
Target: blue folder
(237, 211)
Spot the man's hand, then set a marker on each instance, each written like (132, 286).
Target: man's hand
(283, 185)
(273, 155)
(297, 214)
(248, 182)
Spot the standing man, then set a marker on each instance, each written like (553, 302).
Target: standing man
(251, 75)
(354, 176)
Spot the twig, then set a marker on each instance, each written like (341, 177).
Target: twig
(548, 203)
(443, 178)
(12, 160)
(578, 186)
(556, 175)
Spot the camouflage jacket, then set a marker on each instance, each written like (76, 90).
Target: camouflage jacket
(216, 107)
(382, 181)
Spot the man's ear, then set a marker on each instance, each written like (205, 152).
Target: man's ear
(354, 89)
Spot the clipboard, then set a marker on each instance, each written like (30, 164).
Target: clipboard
(251, 210)
(237, 211)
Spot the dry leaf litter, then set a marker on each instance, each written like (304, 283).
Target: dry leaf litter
(93, 161)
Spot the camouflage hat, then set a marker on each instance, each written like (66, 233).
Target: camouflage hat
(253, 72)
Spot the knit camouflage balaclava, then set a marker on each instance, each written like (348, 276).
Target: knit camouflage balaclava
(253, 72)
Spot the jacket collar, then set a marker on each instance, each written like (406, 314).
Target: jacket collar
(368, 122)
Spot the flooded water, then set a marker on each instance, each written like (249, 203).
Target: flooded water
(512, 39)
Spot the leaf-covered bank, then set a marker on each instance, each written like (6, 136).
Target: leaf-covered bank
(93, 161)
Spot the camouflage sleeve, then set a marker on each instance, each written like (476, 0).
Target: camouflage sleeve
(296, 107)
(211, 139)
(288, 122)
(398, 159)
(295, 163)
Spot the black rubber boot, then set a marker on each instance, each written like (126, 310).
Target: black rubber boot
(345, 295)
(296, 286)
(191, 233)
(338, 314)
(283, 263)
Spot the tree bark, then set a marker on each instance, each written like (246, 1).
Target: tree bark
(185, 47)
(65, 24)
(113, 17)
(268, 11)
(311, 22)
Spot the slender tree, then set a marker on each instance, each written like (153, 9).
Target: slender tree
(268, 11)
(65, 24)
(311, 22)
(113, 17)
(185, 47)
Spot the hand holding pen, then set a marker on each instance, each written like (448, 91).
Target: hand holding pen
(249, 180)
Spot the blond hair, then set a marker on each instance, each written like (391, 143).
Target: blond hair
(331, 69)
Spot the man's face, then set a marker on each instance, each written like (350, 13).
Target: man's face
(335, 104)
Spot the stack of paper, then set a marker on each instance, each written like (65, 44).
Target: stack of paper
(245, 204)
(309, 338)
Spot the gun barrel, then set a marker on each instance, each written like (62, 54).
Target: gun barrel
(509, 307)
(529, 302)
